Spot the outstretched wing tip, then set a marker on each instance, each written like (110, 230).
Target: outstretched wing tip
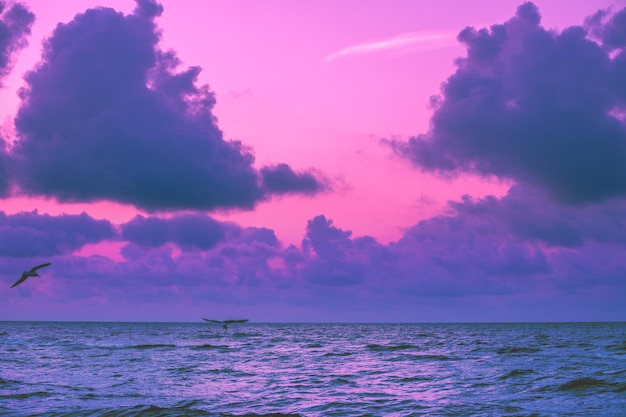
(41, 266)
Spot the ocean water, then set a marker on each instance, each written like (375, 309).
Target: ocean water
(197, 369)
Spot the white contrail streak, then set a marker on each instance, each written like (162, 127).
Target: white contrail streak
(411, 40)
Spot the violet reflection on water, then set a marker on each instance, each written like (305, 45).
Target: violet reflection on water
(181, 369)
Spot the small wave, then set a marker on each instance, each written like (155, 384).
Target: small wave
(413, 379)
(516, 372)
(208, 346)
(182, 409)
(515, 410)
(263, 415)
(612, 372)
(620, 387)
(514, 349)
(580, 384)
(432, 357)
(230, 371)
(4, 383)
(338, 354)
(621, 347)
(53, 341)
(183, 369)
(313, 345)
(25, 395)
(390, 348)
(404, 357)
(151, 346)
(244, 334)
(343, 381)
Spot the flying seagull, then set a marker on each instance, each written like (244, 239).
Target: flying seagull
(31, 273)
(225, 323)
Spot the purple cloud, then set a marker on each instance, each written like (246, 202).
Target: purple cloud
(32, 234)
(107, 115)
(189, 231)
(15, 24)
(5, 178)
(609, 28)
(536, 106)
(281, 179)
(336, 263)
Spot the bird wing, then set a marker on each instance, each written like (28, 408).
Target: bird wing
(19, 281)
(212, 321)
(235, 321)
(33, 269)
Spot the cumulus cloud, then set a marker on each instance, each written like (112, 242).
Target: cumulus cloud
(534, 105)
(5, 178)
(30, 234)
(281, 179)
(15, 24)
(108, 115)
(191, 231)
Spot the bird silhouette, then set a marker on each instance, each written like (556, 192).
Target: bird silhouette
(225, 323)
(28, 274)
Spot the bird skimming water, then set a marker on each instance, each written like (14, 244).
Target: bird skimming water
(225, 323)
(27, 274)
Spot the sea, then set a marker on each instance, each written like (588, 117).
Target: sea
(269, 369)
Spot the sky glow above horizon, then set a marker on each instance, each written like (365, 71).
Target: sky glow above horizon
(318, 161)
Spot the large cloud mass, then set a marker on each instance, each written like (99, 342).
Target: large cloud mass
(520, 251)
(106, 115)
(536, 106)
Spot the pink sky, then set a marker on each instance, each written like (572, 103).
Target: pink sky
(278, 91)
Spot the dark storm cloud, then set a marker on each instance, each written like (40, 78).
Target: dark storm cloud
(33, 234)
(15, 24)
(192, 232)
(281, 179)
(536, 106)
(188, 231)
(107, 115)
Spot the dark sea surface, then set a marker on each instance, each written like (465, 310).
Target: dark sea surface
(189, 369)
